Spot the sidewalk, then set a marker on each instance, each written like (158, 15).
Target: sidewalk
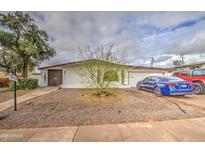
(3, 89)
(30, 95)
(174, 130)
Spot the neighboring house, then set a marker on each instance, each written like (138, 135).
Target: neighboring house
(191, 66)
(32, 74)
(67, 75)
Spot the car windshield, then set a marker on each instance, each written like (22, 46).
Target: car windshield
(170, 79)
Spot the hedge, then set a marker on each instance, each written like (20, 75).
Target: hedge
(24, 84)
(4, 82)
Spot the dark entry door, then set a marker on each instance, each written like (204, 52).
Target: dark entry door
(54, 77)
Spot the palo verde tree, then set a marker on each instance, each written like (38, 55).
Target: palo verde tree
(21, 38)
(102, 69)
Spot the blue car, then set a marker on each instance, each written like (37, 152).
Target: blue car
(166, 85)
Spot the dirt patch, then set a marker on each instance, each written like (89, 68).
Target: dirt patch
(78, 107)
(7, 95)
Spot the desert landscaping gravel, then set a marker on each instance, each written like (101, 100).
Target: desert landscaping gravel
(79, 107)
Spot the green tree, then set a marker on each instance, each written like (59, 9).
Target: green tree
(7, 60)
(178, 63)
(102, 69)
(19, 34)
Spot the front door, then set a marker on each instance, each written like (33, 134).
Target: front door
(54, 77)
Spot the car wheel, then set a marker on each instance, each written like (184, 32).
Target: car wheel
(198, 88)
(157, 92)
(138, 86)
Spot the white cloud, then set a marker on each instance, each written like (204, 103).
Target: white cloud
(135, 32)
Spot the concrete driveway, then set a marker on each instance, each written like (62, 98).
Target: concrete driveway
(193, 100)
(3, 89)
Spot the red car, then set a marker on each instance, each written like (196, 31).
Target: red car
(196, 76)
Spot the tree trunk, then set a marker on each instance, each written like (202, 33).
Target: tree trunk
(25, 70)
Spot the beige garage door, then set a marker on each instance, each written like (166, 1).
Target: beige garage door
(134, 77)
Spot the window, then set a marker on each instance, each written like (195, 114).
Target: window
(122, 76)
(110, 76)
(199, 72)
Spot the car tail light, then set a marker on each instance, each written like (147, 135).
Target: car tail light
(171, 84)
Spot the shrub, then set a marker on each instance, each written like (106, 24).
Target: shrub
(25, 84)
(4, 82)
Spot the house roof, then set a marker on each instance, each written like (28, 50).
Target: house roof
(82, 61)
(153, 68)
(73, 63)
(191, 64)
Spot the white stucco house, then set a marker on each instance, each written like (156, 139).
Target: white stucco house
(67, 75)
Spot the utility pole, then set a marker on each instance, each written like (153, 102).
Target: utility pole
(152, 61)
(182, 56)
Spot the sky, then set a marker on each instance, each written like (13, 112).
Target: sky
(162, 35)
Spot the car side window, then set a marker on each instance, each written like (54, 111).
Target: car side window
(198, 72)
(203, 72)
(154, 79)
(151, 79)
(146, 79)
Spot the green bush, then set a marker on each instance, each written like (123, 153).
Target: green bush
(24, 84)
(4, 82)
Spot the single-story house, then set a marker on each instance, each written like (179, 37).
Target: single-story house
(191, 66)
(67, 75)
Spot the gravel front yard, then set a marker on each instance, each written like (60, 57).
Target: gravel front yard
(78, 107)
(7, 95)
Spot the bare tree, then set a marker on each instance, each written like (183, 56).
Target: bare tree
(102, 69)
